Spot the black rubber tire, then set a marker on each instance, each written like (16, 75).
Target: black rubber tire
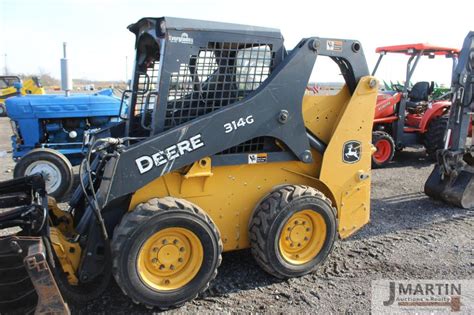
(434, 136)
(271, 215)
(54, 157)
(382, 135)
(147, 219)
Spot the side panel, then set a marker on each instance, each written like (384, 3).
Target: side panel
(30, 131)
(386, 105)
(230, 193)
(350, 181)
(320, 113)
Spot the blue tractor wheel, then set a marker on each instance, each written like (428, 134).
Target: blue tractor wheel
(54, 166)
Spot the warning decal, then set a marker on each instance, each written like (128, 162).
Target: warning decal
(257, 158)
(334, 45)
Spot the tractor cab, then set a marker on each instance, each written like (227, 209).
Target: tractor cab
(405, 113)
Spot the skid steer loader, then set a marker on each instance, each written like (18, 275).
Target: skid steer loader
(220, 151)
(452, 179)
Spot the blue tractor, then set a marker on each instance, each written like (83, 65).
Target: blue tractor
(48, 133)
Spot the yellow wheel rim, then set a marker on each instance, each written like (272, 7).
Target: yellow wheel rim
(302, 237)
(170, 259)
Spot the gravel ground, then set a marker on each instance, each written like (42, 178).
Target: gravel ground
(410, 237)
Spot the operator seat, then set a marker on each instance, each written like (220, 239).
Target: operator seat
(419, 93)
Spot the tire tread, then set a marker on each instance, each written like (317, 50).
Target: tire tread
(434, 136)
(266, 212)
(142, 213)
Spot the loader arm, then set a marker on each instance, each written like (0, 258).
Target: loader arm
(281, 118)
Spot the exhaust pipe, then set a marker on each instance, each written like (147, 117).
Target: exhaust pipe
(66, 80)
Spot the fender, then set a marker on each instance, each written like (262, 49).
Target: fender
(437, 109)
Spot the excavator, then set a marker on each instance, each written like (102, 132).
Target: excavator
(452, 179)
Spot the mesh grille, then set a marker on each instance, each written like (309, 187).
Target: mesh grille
(219, 75)
(146, 83)
(253, 145)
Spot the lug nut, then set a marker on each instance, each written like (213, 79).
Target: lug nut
(172, 267)
(181, 249)
(305, 238)
(154, 260)
(180, 259)
(287, 238)
(308, 229)
(175, 242)
(155, 249)
(162, 267)
(164, 242)
(167, 281)
(299, 244)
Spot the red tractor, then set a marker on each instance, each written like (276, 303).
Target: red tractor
(409, 116)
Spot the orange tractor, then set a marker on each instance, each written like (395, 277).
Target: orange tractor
(409, 116)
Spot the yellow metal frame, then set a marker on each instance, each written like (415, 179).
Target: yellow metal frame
(29, 87)
(68, 253)
(230, 193)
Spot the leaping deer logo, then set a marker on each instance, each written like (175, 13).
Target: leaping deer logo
(351, 151)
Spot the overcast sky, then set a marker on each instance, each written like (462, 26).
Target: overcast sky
(32, 31)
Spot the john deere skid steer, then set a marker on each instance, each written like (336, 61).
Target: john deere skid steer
(221, 151)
